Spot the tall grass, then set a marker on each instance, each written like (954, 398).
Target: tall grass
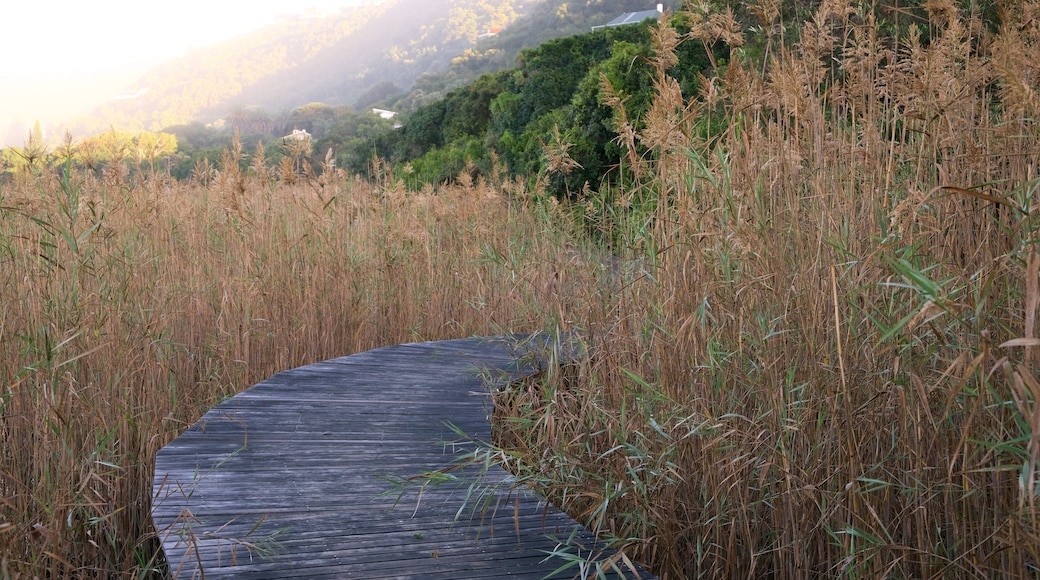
(819, 359)
(133, 304)
(812, 352)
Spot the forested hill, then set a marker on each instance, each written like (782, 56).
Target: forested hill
(406, 39)
(548, 20)
(333, 58)
(355, 57)
(553, 100)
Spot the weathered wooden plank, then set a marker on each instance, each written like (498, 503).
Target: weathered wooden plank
(290, 478)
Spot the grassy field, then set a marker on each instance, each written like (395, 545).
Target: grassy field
(810, 305)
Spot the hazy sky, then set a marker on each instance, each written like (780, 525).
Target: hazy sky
(52, 36)
(61, 56)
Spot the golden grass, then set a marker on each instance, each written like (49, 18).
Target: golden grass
(823, 362)
(131, 308)
(814, 357)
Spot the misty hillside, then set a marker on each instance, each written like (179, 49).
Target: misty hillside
(333, 59)
(548, 20)
(406, 39)
(356, 57)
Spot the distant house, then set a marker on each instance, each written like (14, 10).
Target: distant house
(387, 115)
(634, 17)
(491, 32)
(298, 135)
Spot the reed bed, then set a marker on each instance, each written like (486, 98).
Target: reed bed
(132, 304)
(820, 356)
(810, 311)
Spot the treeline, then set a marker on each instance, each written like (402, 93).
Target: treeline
(553, 100)
(144, 150)
(181, 151)
(343, 131)
(498, 51)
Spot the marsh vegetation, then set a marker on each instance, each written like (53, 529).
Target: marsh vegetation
(809, 298)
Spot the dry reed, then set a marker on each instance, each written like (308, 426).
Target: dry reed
(131, 307)
(821, 361)
(813, 356)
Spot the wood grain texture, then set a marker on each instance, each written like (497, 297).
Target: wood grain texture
(289, 479)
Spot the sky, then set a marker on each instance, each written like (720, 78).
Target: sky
(59, 55)
(52, 36)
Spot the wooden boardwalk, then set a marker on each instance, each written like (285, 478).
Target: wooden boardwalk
(288, 479)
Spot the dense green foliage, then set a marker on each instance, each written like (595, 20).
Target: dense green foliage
(553, 100)
(553, 97)
(548, 118)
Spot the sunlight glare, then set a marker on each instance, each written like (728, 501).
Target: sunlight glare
(54, 38)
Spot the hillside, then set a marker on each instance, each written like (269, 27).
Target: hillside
(410, 51)
(404, 41)
(298, 60)
(554, 97)
(546, 21)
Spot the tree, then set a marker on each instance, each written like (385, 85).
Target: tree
(251, 120)
(376, 94)
(315, 118)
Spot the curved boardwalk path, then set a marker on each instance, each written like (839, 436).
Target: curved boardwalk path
(285, 479)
